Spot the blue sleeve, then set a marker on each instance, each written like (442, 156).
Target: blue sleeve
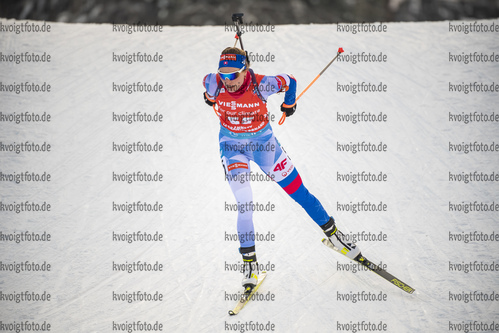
(290, 96)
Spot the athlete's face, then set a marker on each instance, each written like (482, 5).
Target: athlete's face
(233, 85)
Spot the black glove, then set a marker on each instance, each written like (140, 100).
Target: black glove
(208, 101)
(289, 110)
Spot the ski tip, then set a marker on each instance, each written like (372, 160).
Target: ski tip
(232, 313)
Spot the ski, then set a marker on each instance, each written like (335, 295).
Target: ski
(248, 293)
(375, 268)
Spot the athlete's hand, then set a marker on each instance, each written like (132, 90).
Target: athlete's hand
(288, 109)
(207, 100)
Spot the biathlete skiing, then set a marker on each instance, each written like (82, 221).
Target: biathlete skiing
(240, 98)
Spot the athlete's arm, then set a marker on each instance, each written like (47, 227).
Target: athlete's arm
(281, 83)
(210, 84)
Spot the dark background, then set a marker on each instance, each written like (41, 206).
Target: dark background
(216, 12)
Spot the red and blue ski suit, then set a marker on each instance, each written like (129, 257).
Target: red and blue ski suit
(246, 135)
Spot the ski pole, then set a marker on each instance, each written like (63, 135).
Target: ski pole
(340, 50)
(237, 18)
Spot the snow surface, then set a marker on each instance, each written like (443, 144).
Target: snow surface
(307, 276)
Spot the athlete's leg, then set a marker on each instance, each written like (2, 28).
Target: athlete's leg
(285, 174)
(280, 168)
(237, 169)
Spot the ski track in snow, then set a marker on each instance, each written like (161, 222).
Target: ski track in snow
(194, 252)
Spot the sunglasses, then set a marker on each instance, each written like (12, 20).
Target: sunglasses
(231, 76)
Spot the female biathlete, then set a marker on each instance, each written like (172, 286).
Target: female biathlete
(246, 135)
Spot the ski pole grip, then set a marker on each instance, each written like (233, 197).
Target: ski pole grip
(237, 17)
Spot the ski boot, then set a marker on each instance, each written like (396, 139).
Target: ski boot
(250, 267)
(349, 249)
